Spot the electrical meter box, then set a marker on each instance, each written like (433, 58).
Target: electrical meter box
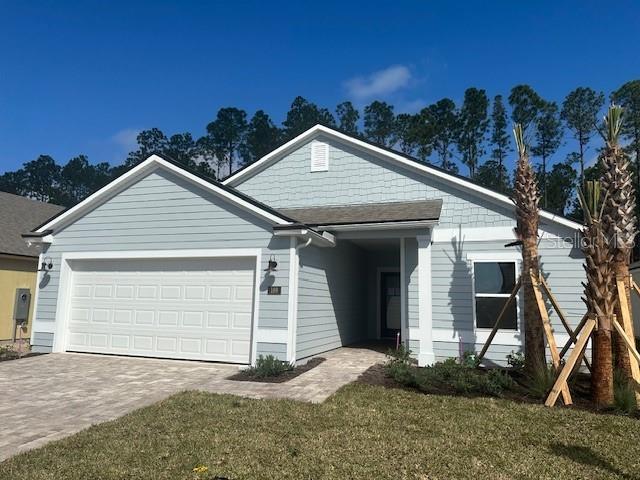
(22, 305)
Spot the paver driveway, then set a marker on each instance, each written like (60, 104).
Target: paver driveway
(51, 396)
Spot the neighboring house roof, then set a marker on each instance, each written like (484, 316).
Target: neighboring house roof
(150, 164)
(422, 210)
(19, 215)
(389, 155)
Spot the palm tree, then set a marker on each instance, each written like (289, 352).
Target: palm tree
(618, 219)
(526, 199)
(599, 292)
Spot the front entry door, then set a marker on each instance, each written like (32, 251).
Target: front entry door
(389, 304)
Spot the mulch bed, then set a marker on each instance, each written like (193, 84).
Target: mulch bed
(579, 385)
(247, 376)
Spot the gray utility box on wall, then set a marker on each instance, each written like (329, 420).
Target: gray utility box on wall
(21, 306)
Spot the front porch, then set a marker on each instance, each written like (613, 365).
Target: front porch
(393, 303)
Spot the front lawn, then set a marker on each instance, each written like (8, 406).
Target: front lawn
(363, 431)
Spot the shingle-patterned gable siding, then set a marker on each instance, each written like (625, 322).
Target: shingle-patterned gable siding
(355, 177)
(164, 212)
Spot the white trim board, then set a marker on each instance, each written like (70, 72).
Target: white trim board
(148, 166)
(483, 234)
(384, 154)
(425, 311)
(66, 273)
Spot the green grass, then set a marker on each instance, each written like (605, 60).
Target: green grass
(363, 432)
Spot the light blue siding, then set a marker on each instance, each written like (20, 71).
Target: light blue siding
(164, 212)
(355, 177)
(42, 342)
(278, 350)
(331, 296)
(496, 355)
(452, 294)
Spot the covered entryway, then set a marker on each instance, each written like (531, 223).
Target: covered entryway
(186, 308)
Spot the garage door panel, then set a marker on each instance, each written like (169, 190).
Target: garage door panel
(160, 308)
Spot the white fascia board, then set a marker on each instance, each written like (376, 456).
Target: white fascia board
(148, 165)
(378, 226)
(386, 154)
(291, 144)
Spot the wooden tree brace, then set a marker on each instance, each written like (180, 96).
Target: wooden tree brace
(494, 330)
(572, 334)
(627, 341)
(551, 341)
(627, 327)
(574, 357)
(576, 333)
(635, 286)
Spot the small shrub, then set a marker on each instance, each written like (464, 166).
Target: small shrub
(268, 366)
(515, 360)
(400, 354)
(498, 382)
(624, 395)
(540, 383)
(470, 359)
(8, 351)
(400, 366)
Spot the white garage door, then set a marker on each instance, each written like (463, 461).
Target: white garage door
(175, 308)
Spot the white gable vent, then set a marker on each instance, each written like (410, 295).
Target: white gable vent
(319, 157)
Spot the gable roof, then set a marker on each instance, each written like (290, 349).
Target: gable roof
(389, 155)
(149, 165)
(390, 212)
(19, 215)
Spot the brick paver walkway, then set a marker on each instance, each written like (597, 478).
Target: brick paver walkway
(52, 396)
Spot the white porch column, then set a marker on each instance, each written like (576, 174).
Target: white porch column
(425, 326)
(404, 324)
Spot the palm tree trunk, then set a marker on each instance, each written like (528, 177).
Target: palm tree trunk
(535, 358)
(602, 372)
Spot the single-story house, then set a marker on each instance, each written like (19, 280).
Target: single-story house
(18, 261)
(326, 241)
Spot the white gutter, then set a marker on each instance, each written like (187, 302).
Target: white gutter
(325, 239)
(379, 226)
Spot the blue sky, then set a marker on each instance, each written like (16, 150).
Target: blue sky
(84, 77)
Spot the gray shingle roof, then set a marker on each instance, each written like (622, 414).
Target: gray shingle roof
(20, 215)
(368, 213)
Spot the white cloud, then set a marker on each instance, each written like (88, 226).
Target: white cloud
(126, 139)
(382, 82)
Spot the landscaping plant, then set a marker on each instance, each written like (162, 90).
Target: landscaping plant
(526, 199)
(268, 366)
(618, 220)
(599, 292)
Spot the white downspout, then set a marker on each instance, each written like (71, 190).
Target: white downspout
(293, 291)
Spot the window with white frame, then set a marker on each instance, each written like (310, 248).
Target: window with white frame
(493, 282)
